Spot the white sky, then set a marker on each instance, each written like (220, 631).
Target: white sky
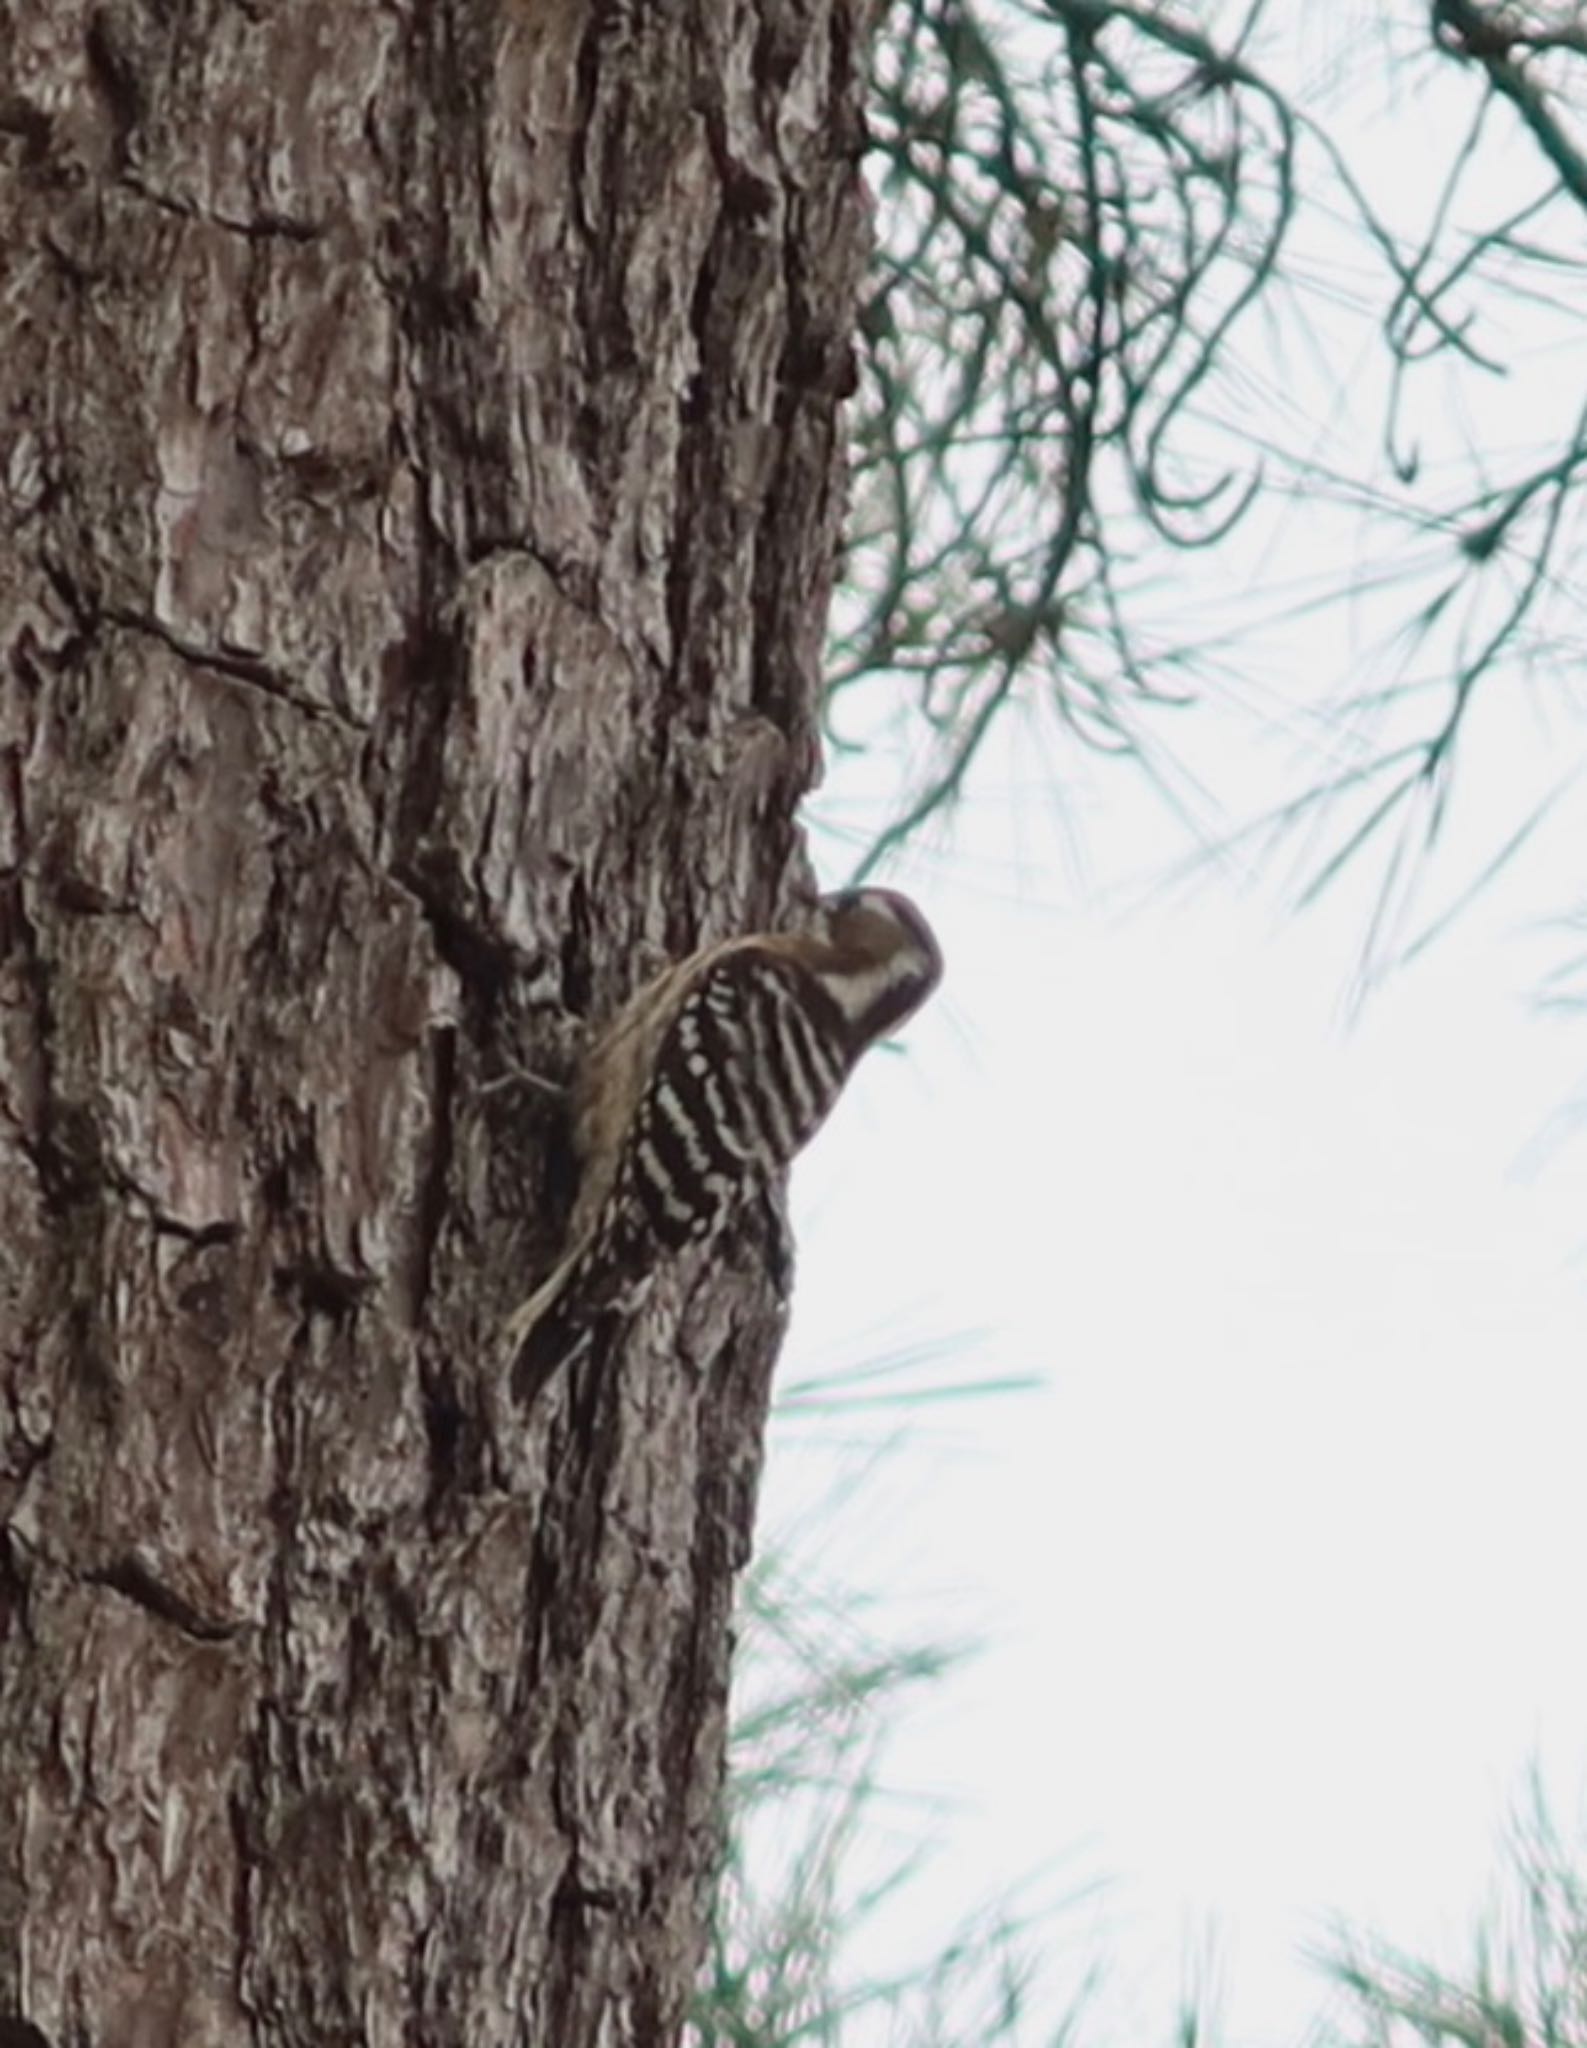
(1280, 1571)
(1281, 1568)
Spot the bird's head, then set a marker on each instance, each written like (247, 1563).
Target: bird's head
(877, 959)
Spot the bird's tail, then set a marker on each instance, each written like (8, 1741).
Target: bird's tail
(595, 1281)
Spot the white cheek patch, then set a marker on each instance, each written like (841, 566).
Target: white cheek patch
(857, 994)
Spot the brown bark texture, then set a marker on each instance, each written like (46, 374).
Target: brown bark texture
(419, 486)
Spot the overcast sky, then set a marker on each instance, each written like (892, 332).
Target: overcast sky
(1280, 1569)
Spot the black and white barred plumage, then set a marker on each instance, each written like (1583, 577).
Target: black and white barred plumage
(702, 1090)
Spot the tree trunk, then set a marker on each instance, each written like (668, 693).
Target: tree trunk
(419, 487)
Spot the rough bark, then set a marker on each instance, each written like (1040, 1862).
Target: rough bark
(419, 486)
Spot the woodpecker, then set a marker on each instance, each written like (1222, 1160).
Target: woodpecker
(701, 1090)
